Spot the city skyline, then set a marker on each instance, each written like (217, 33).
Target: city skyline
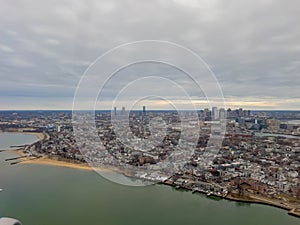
(162, 112)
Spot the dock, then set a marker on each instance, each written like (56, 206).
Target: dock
(294, 212)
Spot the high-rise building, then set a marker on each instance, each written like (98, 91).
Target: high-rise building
(240, 112)
(222, 114)
(206, 114)
(144, 110)
(115, 111)
(215, 113)
(123, 110)
(229, 113)
(248, 113)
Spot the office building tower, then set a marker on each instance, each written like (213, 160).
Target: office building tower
(144, 110)
(215, 113)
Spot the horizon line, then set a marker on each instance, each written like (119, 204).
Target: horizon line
(295, 110)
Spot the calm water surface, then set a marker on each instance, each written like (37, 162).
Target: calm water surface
(15, 139)
(45, 195)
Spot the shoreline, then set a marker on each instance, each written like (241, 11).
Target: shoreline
(84, 166)
(264, 201)
(58, 163)
(72, 165)
(252, 200)
(40, 136)
(44, 160)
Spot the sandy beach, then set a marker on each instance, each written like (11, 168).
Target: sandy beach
(53, 162)
(83, 166)
(48, 161)
(45, 160)
(40, 136)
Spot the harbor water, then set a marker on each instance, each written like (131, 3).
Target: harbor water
(49, 195)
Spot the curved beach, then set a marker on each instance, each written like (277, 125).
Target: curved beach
(83, 166)
(53, 162)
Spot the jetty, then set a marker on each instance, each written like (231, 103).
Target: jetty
(14, 158)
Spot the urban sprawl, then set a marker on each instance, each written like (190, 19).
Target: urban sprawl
(258, 159)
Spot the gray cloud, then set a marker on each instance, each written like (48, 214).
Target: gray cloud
(252, 47)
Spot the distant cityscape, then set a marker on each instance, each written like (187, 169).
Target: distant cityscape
(259, 159)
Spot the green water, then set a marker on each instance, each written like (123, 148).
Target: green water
(46, 195)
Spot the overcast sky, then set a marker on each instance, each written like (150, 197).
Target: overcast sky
(252, 47)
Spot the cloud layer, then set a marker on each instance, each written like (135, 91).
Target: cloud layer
(253, 47)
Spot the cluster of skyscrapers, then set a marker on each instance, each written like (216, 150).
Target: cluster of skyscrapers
(124, 110)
